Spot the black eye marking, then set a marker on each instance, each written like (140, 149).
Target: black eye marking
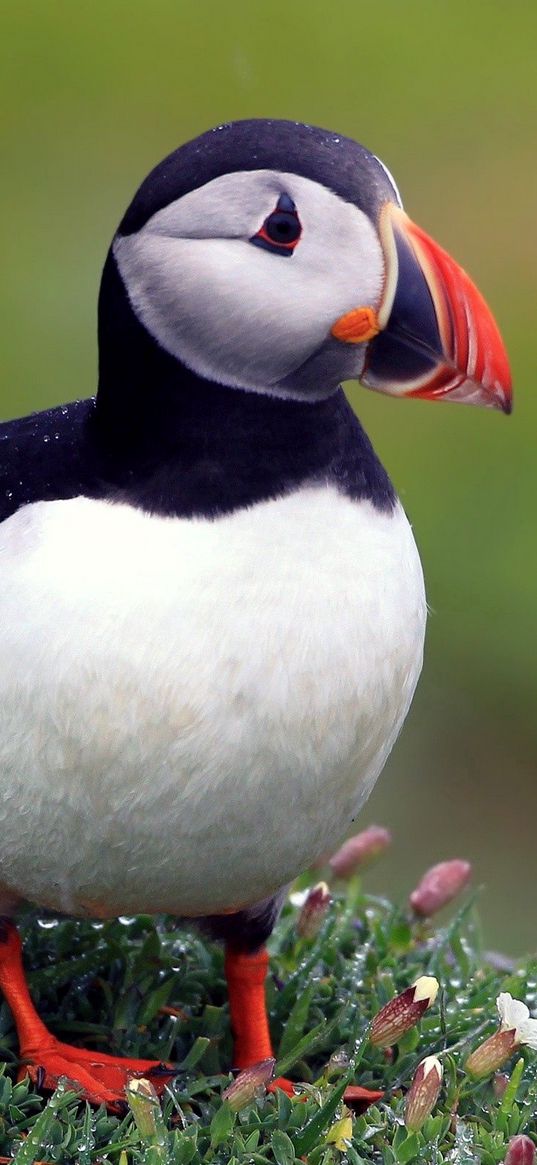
(281, 230)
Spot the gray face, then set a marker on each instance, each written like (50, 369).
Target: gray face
(244, 316)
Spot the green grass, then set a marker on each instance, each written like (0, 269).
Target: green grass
(104, 985)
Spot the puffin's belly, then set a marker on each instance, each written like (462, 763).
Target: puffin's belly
(192, 711)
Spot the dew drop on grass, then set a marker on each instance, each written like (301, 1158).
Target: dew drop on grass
(530, 993)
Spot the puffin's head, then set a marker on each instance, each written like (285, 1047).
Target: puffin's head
(276, 257)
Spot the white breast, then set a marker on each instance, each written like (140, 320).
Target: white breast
(193, 711)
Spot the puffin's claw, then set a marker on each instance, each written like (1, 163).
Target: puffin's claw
(287, 1086)
(360, 1098)
(355, 1096)
(96, 1077)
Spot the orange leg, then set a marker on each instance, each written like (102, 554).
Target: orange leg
(246, 975)
(99, 1077)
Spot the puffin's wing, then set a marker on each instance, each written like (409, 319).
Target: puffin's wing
(47, 456)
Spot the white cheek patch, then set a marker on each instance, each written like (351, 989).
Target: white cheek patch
(233, 312)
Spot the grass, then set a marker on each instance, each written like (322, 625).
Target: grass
(106, 985)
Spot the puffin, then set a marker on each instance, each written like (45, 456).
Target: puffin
(212, 608)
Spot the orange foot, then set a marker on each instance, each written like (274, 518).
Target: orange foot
(98, 1077)
(355, 1096)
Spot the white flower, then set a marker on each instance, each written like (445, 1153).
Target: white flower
(431, 1064)
(426, 987)
(515, 1016)
(298, 897)
(516, 1028)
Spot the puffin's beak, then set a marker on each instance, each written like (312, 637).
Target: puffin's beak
(433, 335)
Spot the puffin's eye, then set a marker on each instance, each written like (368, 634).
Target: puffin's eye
(281, 230)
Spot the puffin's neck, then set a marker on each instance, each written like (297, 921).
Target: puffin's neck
(177, 444)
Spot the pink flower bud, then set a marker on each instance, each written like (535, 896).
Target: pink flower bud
(520, 1151)
(499, 1084)
(490, 1055)
(359, 851)
(439, 885)
(314, 910)
(249, 1084)
(423, 1093)
(402, 1012)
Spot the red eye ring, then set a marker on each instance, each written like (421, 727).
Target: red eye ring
(281, 229)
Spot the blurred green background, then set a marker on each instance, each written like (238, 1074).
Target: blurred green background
(94, 94)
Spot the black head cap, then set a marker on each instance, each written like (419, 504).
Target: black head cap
(339, 163)
(130, 359)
